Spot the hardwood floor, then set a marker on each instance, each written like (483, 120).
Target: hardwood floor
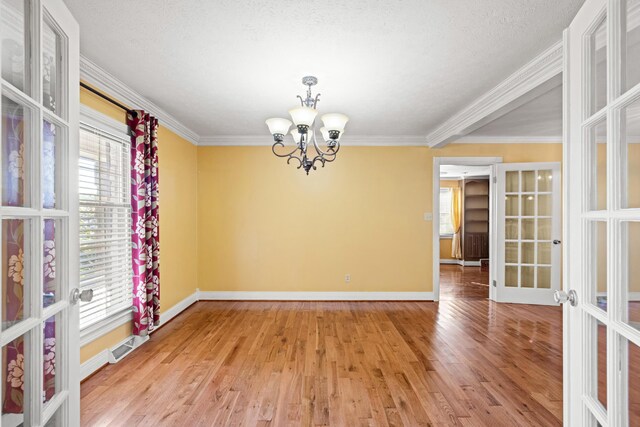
(464, 362)
(463, 282)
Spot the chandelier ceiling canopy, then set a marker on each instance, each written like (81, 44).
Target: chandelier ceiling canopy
(307, 151)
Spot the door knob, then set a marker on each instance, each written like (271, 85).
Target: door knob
(85, 295)
(556, 242)
(562, 297)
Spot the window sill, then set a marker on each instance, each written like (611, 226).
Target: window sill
(103, 327)
(446, 236)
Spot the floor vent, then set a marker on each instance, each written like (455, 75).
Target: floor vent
(119, 352)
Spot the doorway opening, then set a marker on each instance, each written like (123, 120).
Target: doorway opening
(463, 214)
(464, 231)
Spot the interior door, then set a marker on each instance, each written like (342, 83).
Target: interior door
(39, 59)
(602, 358)
(528, 232)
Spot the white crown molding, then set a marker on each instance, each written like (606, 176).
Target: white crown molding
(95, 76)
(349, 140)
(484, 139)
(236, 140)
(537, 77)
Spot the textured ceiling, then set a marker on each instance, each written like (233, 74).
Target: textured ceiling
(396, 67)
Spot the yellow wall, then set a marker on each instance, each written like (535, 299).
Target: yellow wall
(445, 248)
(266, 226)
(445, 243)
(178, 217)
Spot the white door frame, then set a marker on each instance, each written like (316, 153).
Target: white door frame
(461, 161)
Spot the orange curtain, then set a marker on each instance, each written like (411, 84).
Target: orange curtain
(456, 221)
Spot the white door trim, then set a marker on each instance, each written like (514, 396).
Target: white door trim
(462, 161)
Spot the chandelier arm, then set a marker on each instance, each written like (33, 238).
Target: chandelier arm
(278, 143)
(318, 159)
(288, 156)
(295, 158)
(317, 147)
(326, 153)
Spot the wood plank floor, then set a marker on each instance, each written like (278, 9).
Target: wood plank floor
(458, 282)
(463, 362)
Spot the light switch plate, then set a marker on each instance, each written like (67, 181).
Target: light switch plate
(428, 216)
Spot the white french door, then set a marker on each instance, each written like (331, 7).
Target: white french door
(528, 232)
(39, 365)
(602, 318)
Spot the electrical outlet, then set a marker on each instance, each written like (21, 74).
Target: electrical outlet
(428, 216)
(347, 278)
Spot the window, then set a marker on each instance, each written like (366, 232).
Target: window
(446, 227)
(105, 224)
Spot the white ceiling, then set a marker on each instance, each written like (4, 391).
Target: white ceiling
(459, 171)
(396, 67)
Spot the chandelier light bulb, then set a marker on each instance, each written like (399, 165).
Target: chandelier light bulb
(297, 136)
(278, 126)
(325, 134)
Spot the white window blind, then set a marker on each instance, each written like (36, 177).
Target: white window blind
(446, 227)
(105, 224)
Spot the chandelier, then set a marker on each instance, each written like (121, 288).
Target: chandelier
(304, 134)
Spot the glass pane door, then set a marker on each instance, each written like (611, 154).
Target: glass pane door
(528, 232)
(603, 328)
(37, 145)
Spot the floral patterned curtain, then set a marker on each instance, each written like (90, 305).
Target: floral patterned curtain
(145, 230)
(14, 242)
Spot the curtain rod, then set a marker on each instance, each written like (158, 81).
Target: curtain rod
(106, 98)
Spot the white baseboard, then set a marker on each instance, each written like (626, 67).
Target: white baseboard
(315, 296)
(460, 262)
(178, 308)
(93, 364)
